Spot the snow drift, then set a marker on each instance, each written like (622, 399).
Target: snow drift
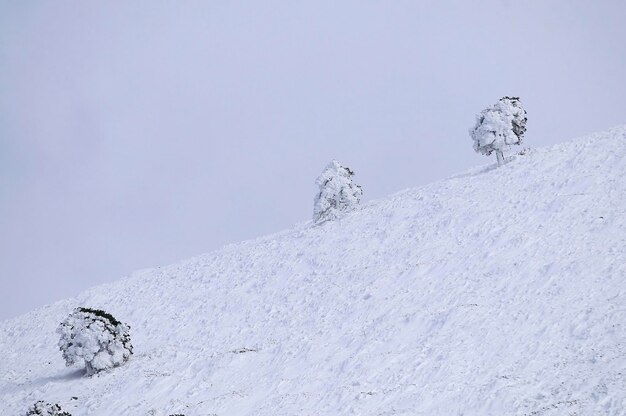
(501, 291)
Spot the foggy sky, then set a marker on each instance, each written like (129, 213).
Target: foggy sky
(135, 135)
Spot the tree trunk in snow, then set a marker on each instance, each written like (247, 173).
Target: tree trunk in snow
(500, 157)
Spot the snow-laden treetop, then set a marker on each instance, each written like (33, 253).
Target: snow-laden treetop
(337, 192)
(499, 126)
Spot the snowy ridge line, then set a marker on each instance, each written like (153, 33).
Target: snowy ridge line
(499, 291)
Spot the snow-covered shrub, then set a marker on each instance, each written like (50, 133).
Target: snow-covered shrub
(337, 193)
(42, 408)
(499, 126)
(96, 338)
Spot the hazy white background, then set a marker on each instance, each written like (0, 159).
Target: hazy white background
(134, 134)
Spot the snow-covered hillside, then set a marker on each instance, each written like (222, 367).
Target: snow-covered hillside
(501, 291)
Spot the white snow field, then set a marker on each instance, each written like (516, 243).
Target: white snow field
(501, 291)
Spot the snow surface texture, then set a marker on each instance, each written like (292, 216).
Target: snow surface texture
(501, 291)
(337, 193)
(94, 338)
(499, 126)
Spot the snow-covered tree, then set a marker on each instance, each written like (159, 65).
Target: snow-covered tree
(42, 408)
(499, 126)
(337, 192)
(96, 338)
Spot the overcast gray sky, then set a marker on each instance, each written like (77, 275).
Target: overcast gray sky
(135, 134)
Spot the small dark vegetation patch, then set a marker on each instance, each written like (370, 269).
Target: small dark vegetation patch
(42, 408)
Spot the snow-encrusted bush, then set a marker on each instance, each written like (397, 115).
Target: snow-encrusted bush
(499, 126)
(337, 193)
(42, 408)
(96, 338)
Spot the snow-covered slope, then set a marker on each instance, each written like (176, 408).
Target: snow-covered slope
(501, 291)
